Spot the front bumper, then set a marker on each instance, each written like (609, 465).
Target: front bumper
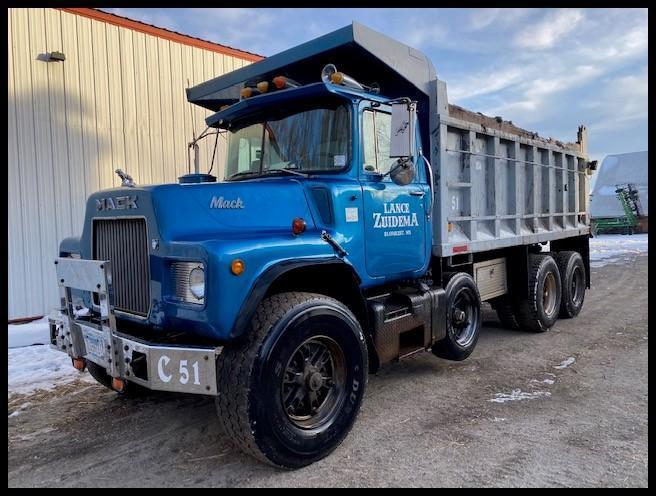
(161, 367)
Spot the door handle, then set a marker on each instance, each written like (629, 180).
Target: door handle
(418, 193)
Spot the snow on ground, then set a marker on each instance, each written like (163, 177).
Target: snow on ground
(32, 364)
(611, 248)
(565, 363)
(35, 332)
(32, 368)
(518, 395)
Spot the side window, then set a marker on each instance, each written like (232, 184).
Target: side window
(376, 134)
(244, 157)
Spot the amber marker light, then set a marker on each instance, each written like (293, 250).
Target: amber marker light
(263, 86)
(118, 384)
(237, 267)
(246, 92)
(298, 226)
(337, 77)
(279, 82)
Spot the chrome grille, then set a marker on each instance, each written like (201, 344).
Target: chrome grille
(124, 242)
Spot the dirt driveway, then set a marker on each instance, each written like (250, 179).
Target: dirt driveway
(564, 408)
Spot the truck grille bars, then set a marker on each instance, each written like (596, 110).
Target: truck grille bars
(124, 242)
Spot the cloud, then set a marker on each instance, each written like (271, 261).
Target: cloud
(548, 32)
(485, 82)
(482, 18)
(623, 97)
(545, 69)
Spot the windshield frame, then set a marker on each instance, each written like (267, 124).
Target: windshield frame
(298, 173)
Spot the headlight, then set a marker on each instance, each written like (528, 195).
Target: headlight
(197, 282)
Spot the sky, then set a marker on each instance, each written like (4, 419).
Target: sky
(546, 70)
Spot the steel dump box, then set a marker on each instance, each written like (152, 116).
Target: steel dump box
(495, 184)
(498, 188)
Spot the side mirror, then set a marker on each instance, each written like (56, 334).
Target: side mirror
(403, 172)
(402, 129)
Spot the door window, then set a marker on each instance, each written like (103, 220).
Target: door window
(376, 141)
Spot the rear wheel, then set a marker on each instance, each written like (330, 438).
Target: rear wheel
(538, 312)
(572, 275)
(290, 391)
(463, 318)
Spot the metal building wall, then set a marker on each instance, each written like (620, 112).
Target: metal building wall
(117, 101)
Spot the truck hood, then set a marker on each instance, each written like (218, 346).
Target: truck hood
(185, 212)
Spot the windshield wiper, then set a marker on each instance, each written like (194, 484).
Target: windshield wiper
(285, 169)
(242, 174)
(254, 174)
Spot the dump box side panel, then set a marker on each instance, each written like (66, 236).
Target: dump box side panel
(496, 189)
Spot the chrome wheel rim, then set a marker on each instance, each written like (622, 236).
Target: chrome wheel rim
(313, 385)
(549, 294)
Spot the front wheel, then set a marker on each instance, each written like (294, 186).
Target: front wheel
(131, 390)
(463, 318)
(290, 391)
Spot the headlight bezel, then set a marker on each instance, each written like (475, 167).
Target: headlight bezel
(197, 288)
(180, 273)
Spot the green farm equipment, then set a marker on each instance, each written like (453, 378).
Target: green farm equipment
(629, 198)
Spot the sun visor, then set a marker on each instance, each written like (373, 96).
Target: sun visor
(366, 55)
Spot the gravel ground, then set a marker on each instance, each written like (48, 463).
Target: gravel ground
(564, 408)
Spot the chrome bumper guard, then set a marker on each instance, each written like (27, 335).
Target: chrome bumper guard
(154, 366)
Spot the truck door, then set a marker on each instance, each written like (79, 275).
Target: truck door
(394, 216)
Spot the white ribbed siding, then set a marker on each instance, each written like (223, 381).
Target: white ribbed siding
(117, 101)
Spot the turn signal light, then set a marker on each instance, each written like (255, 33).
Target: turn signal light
(298, 226)
(223, 107)
(118, 384)
(237, 267)
(246, 92)
(263, 86)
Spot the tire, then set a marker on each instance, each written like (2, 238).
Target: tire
(538, 312)
(462, 329)
(265, 386)
(504, 306)
(131, 390)
(572, 276)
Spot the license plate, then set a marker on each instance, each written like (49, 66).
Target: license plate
(94, 346)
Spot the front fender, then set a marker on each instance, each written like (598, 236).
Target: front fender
(262, 284)
(231, 299)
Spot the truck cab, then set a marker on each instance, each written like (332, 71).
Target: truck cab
(341, 159)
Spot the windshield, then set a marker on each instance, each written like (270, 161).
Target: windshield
(307, 142)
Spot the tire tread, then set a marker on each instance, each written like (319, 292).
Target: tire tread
(235, 368)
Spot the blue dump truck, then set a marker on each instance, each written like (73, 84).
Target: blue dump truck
(361, 219)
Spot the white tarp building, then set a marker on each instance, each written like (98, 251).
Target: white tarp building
(618, 169)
